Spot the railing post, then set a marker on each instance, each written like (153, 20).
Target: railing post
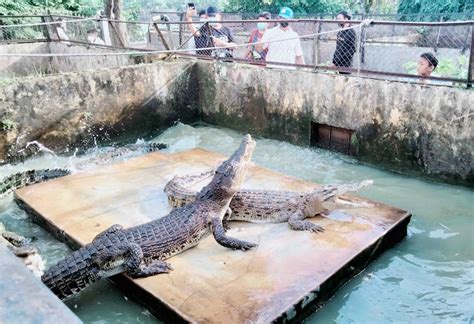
(470, 72)
(45, 29)
(55, 27)
(104, 27)
(316, 44)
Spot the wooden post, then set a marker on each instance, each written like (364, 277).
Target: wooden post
(117, 34)
(160, 34)
(181, 27)
(470, 72)
(170, 35)
(55, 27)
(104, 27)
(316, 45)
(45, 29)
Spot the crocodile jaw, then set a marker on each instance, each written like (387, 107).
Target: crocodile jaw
(229, 175)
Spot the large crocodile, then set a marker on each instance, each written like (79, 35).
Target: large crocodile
(265, 206)
(26, 178)
(139, 251)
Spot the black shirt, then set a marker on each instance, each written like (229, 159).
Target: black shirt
(204, 41)
(345, 48)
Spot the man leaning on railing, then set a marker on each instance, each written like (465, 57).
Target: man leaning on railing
(212, 34)
(284, 45)
(345, 44)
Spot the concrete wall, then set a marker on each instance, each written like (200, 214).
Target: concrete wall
(12, 67)
(70, 109)
(407, 127)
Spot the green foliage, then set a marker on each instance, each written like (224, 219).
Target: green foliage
(7, 124)
(24, 7)
(431, 9)
(298, 6)
(451, 68)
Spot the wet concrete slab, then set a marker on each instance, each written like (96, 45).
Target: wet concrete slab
(24, 299)
(286, 277)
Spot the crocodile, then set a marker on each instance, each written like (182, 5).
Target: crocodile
(20, 246)
(140, 251)
(29, 177)
(265, 206)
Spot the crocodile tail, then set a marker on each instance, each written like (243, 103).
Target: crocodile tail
(26, 178)
(72, 274)
(153, 147)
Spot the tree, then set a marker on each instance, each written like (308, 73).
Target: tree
(431, 9)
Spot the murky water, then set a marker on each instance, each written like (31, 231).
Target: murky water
(429, 277)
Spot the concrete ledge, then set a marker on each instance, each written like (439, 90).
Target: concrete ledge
(24, 299)
(77, 109)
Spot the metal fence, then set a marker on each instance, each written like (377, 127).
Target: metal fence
(383, 49)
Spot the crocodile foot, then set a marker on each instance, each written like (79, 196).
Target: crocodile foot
(151, 269)
(226, 241)
(301, 225)
(241, 245)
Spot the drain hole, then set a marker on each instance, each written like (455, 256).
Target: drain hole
(334, 138)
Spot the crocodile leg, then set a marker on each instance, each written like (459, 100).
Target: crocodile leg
(132, 256)
(219, 235)
(135, 267)
(297, 223)
(225, 219)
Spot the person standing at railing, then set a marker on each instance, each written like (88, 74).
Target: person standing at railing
(346, 43)
(427, 63)
(202, 21)
(283, 44)
(212, 34)
(257, 52)
(93, 37)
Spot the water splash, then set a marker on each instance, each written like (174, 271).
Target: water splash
(41, 148)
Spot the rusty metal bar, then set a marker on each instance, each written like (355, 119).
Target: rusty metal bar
(54, 26)
(45, 29)
(331, 68)
(374, 22)
(117, 34)
(160, 34)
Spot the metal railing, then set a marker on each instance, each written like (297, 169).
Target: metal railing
(382, 49)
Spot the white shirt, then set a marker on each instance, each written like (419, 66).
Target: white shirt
(95, 40)
(280, 48)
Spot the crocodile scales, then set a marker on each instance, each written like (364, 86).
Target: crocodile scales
(265, 206)
(139, 251)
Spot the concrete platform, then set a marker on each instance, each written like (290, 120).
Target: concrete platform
(287, 277)
(24, 299)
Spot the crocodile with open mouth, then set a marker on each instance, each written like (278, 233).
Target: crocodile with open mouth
(266, 206)
(139, 251)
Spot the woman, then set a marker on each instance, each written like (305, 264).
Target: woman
(257, 52)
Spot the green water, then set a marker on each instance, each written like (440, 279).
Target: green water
(427, 278)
